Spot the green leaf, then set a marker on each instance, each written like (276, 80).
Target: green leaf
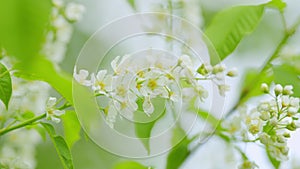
(287, 75)
(23, 25)
(44, 70)
(129, 165)
(209, 118)
(71, 127)
(41, 131)
(5, 85)
(61, 146)
(274, 162)
(230, 26)
(144, 123)
(279, 4)
(180, 152)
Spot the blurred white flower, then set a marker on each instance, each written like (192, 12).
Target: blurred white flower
(58, 3)
(74, 11)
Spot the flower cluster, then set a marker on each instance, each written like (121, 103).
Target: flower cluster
(30, 97)
(270, 122)
(62, 17)
(152, 77)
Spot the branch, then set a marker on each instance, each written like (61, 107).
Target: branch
(23, 124)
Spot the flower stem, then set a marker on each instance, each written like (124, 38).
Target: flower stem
(23, 124)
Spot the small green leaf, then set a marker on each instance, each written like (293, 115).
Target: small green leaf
(287, 75)
(61, 146)
(276, 164)
(23, 25)
(230, 26)
(71, 127)
(180, 152)
(129, 165)
(279, 4)
(5, 85)
(25, 116)
(144, 123)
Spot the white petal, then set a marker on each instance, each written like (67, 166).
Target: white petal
(51, 102)
(101, 74)
(55, 119)
(148, 106)
(114, 63)
(58, 112)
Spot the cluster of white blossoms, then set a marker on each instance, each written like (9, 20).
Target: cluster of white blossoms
(62, 17)
(133, 82)
(17, 148)
(271, 122)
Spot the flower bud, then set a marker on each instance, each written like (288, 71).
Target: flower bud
(273, 121)
(288, 90)
(286, 135)
(202, 70)
(218, 68)
(292, 126)
(278, 89)
(264, 139)
(233, 72)
(264, 87)
(264, 116)
(281, 139)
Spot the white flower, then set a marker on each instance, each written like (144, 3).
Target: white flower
(51, 112)
(118, 65)
(120, 86)
(292, 110)
(81, 78)
(285, 101)
(154, 85)
(74, 11)
(101, 83)
(294, 102)
(127, 106)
